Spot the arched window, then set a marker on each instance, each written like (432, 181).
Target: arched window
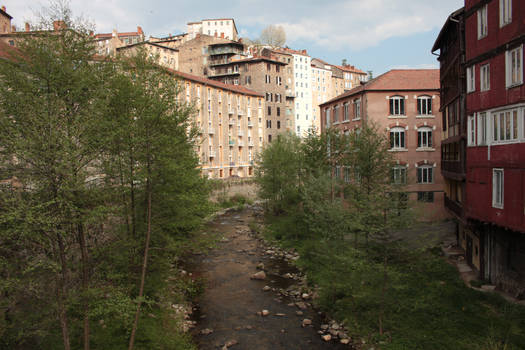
(397, 105)
(424, 105)
(397, 137)
(424, 137)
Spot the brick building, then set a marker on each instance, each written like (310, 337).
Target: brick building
(107, 43)
(220, 27)
(492, 231)
(230, 119)
(403, 103)
(5, 21)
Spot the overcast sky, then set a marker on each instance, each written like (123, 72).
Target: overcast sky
(375, 35)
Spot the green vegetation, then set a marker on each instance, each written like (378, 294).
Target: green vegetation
(388, 295)
(102, 196)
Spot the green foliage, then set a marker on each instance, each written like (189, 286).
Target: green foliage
(82, 144)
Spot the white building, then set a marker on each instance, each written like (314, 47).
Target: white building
(304, 117)
(220, 27)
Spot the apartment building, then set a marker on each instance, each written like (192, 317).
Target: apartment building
(166, 56)
(194, 54)
(231, 120)
(492, 231)
(352, 76)
(107, 43)
(220, 27)
(5, 21)
(403, 104)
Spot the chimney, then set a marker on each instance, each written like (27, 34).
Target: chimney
(28, 28)
(58, 25)
(139, 30)
(3, 8)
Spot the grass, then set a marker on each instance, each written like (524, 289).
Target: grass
(426, 304)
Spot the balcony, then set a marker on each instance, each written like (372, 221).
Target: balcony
(231, 142)
(224, 73)
(211, 130)
(289, 93)
(230, 111)
(240, 143)
(454, 207)
(453, 169)
(212, 154)
(231, 122)
(250, 124)
(232, 163)
(218, 62)
(239, 111)
(250, 144)
(240, 133)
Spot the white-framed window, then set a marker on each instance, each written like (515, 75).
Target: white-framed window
(397, 138)
(399, 175)
(482, 22)
(497, 188)
(424, 137)
(424, 105)
(484, 77)
(482, 128)
(357, 108)
(471, 78)
(397, 105)
(514, 66)
(425, 174)
(505, 12)
(345, 112)
(471, 126)
(505, 125)
(327, 111)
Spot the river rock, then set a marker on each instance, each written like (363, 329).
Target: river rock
(299, 313)
(301, 305)
(345, 341)
(307, 322)
(324, 327)
(266, 288)
(206, 331)
(259, 276)
(305, 296)
(265, 313)
(326, 337)
(260, 266)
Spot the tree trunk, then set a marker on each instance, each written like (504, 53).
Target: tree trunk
(61, 292)
(383, 292)
(144, 266)
(85, 282)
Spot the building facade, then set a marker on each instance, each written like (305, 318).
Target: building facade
(220, 27)
(107, 43)
(230, 119)
(5, 21)
(166, 56)
(404, 104)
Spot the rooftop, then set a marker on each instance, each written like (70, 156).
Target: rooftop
(395, 80)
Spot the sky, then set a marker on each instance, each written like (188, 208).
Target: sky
(373, 35)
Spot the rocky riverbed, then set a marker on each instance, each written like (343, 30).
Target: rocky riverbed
(254, 297)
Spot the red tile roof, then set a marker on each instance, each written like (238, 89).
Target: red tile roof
(396, 80)
(214, 83)
(352, 69)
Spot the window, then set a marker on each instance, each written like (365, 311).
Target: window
(267, 78)
(397, 138)
(397, 105)
(471, 131)
(497, 188)
(269, 110)
(424, 137)
(399, 175)
(345, 112)
(424, 105)
(268, 67)
(357, 108)
(514, 67)
(278, 124)
(327, 112)
(336, 113)
(505, 12)
(278, 111)
(482, 22)
(484, 77)
(268, 124)
(505, 125)
(424, 174)
(426, 196)
(482, 128)
(471, 79)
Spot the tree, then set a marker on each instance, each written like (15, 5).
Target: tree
(273, 35)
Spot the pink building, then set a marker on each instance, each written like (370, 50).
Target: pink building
(405, 105)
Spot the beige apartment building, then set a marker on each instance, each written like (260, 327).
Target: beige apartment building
(5, 21)
(166, 56)
(230, 119)
(404, 104)
(107, 43)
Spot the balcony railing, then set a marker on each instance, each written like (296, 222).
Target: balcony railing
(231, 142)
(250, 124)
(240, 133)
(231, 122)
(240, 143)
(239, 111)
(453, 166)
(454, 207)
(250, 144)
(211, 130)
(212, 154)
(232, 163)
